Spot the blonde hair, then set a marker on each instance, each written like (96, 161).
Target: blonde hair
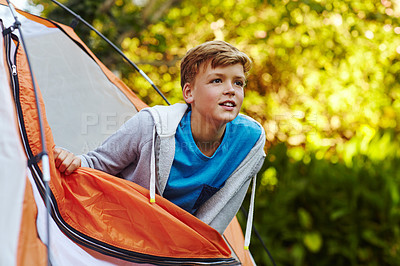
(220, 53)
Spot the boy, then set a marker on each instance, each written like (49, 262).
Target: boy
(200, 155)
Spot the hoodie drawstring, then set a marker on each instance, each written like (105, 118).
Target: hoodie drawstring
(152, 171)
(250, 215)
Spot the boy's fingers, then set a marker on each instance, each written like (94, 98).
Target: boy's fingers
(65, 161)
(75, 164)
(56, 152)
(59, 157)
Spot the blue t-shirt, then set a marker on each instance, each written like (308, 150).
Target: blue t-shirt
(195, 177)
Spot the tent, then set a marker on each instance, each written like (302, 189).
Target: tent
(93, 221)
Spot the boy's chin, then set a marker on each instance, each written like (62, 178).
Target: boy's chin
(230, 118)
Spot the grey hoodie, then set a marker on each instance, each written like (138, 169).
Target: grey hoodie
(143, 150)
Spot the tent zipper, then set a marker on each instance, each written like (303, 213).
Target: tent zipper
(11, 61)
(14, 70)
(11, 58)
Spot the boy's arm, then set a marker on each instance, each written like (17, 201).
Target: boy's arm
(123, 147)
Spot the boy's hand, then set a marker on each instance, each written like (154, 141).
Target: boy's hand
(65, 161)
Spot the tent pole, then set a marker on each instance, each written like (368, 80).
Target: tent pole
(115, 48)
(43, 156)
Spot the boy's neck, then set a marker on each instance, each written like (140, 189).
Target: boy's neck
(207, 136)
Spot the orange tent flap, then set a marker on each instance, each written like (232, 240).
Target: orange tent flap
(234, 235)
(118, 212)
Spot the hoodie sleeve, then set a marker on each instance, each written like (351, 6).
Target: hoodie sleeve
(226, 214)
(123, 148)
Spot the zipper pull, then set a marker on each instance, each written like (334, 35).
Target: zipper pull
(14, 70)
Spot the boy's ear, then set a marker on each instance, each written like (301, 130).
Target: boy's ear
(187, 93)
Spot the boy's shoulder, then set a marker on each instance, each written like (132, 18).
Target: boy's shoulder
(166, 118)
(246, 129)
(246, 122)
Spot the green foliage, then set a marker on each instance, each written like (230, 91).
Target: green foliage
(325, 86)
(324, 213)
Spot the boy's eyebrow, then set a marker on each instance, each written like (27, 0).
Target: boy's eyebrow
(222, 75)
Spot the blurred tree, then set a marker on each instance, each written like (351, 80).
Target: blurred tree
(323, 69)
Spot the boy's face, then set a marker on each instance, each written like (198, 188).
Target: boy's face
(216, 94)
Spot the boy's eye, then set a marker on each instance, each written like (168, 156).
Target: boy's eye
(216, 81)
(239, 83)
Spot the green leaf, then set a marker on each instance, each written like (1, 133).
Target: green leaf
(313, 241)
(305, 218)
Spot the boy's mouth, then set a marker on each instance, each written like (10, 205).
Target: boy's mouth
(228, 104)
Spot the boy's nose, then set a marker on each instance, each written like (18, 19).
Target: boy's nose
(229, 89)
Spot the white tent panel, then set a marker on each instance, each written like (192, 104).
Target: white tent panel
(12, 171)
(82, 106)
